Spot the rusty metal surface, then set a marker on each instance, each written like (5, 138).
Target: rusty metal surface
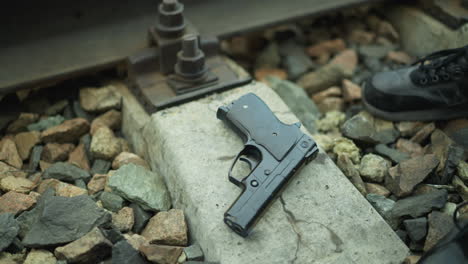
(52, 39)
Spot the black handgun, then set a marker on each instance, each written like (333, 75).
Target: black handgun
(274, 152)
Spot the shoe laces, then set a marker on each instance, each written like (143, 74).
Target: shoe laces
(443, 65)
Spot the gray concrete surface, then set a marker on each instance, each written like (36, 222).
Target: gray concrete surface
(421, 34)
(319, 218)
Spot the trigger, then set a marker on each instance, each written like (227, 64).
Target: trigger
(252, 163)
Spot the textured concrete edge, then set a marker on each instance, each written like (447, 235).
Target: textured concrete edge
(163, 156)
(421, 34)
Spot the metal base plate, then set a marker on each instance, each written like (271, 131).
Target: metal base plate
(154, 91)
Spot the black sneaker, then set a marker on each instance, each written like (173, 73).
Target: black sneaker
(434, 88)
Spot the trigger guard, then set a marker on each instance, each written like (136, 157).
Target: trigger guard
(253, 164)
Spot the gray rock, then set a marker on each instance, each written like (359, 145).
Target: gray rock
(100, 167)
(90, 248)
(64, 171)
(416, 228)
(111, 201)
(86, 141)
(47, 123)
(297, 100)
(323, 78)
(141, 218)
(16, 246)
(364, 127)
(68, 112)
(383, 205)
(416, 206)
(455, 154)
(391, 153)
(402, 178)
(35, 157)
(123, 252)
(295, 60)
(62, 220)
(56, 108)
(194, 252)
(440, 225)
(141, 186)
(6, 118)
(112, 233)
(28, 218)
(402, 234)
(373, 168)
(104, 144)
(269, 57)
(79, 112)
(373, 64)
(375, 51)
(81, 183)
(9, 229)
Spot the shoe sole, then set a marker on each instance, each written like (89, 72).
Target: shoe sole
(454, 112)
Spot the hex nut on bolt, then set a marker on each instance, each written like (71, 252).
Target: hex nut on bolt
(191, 59)
(170, 22)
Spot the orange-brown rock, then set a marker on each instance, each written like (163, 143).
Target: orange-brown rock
(67, 132)
(362, 37)
(351, 91)
(112, 119)
(331, 104)
(167, 228)
(20, 124)
(97, 183)
(25, 141)
(126, 158)
(78, 158)
(328, 46)
(410, 147)
(9, 153)
(11, 183)
(262, 73)
(54, 152)
(15, 203)
(330, 92)
(399, 57)
(161, 254)
(44, 165)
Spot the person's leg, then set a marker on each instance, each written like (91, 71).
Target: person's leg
(435, 88)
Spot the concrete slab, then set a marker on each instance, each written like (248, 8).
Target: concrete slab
(421, 34)
(319, 218)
